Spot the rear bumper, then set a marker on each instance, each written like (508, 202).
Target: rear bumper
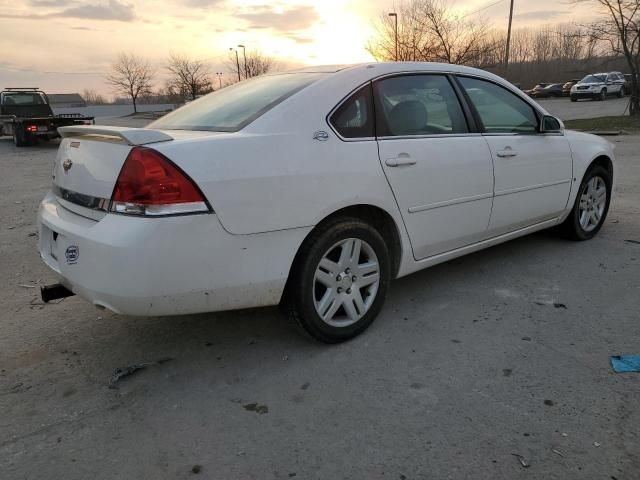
(164, 266)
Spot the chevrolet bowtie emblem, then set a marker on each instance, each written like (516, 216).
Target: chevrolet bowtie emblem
(67, 164)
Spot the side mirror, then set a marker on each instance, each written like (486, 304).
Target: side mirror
(550, 124)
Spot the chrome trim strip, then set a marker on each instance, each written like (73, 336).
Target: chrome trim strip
(531, 187)
(432, 135)
(446, 203)
(87, 201)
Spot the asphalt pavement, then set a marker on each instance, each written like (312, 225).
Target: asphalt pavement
(491, 366)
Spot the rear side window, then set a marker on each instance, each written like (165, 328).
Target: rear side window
(354, 118)
(500, 110)
(418, 105)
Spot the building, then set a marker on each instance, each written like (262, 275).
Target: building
(66, 100)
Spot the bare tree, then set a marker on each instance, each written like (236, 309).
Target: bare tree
(620, 29)
(131, 76)
(91, 97)
(428, 30)
(256, 64)
(188, 75)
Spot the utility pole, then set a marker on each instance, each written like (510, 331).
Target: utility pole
(395, 17)
(237, 62)
(506, 53)
(244, 55)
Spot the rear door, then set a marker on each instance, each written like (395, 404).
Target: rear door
(533, 170)
(440, 172)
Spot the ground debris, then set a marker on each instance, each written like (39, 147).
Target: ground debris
(120, 373)
(625, 363)
(557, 452)
(254, 407)
(633, 241)
(196, 469)
(522, 460)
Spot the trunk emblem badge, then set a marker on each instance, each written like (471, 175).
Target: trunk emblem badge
(67, 164)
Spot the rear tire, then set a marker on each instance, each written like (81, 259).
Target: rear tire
(19, 137)
(621, 93)
(591, 205)
(339, 280)
(574, 99)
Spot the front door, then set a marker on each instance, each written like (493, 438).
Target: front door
(533, 171)
(440, 174)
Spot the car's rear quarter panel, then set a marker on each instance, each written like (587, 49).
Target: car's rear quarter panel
(273, 175)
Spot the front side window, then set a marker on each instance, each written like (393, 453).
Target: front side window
(500, 110)
(232, 108)
(354, 118)
(417, 105)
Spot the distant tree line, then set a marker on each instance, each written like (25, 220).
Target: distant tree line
(132, 78)
(430, 31)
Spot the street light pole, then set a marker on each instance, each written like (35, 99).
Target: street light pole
(506, 53)
(395, 17)
(244, 55)
(237, 62)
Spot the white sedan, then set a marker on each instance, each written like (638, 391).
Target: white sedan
(313, 189)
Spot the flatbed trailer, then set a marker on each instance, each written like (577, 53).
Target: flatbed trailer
(26, 115)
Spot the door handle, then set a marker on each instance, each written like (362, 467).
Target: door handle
(401, 160)
(507, 152)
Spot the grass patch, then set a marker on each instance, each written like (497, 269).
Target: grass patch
(627, 123)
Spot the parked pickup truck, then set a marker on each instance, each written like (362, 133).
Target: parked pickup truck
(26, 115)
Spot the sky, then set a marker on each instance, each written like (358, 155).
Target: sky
(65, 46)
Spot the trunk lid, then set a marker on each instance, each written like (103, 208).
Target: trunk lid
(90, 159)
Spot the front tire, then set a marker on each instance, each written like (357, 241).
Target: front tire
(603, 95)
(339, 280)
(591, 206)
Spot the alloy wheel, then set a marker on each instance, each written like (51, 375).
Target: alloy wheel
(346, 282)
(593, 202)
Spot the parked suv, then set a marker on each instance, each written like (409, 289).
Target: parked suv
(598, 85)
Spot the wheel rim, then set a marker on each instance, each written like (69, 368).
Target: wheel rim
(346, 282)
(592, 203)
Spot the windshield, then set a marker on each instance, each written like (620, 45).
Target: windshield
(22, 98)
(232, 108)
(592, 79)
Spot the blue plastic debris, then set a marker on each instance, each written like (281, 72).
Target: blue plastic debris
(625, 363)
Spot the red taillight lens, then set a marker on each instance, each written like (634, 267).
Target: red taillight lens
(150, 184)
(31, 128)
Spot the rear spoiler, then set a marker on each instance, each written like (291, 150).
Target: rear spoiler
(133, 136)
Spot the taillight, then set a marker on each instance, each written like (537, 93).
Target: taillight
(31, 128)
(151, 184)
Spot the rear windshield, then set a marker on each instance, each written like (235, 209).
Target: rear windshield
(593, 79)
(232, 108)
(27, 98)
